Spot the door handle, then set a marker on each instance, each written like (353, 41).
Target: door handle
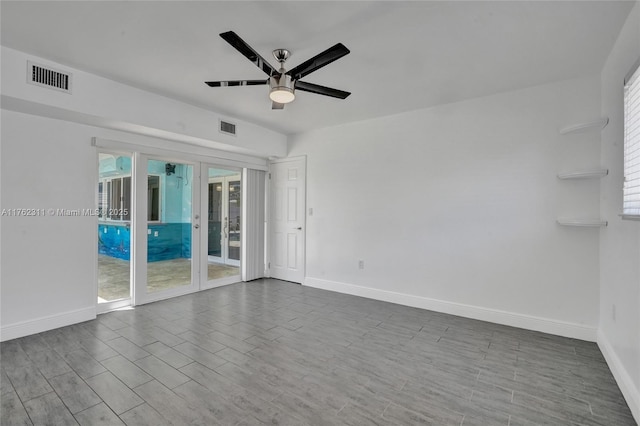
(226, 225)
(299, 228)
(196, 226)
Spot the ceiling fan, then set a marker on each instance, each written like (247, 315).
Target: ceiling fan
(283, 83)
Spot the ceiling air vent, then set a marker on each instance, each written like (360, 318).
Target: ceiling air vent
(227, 128)
(41, 75)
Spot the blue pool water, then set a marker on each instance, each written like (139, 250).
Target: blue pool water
(173, 241)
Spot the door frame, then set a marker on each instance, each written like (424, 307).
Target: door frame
(269, 220)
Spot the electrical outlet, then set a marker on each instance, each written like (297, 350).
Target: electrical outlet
(310, 211)
(360, 264)
(155, 234)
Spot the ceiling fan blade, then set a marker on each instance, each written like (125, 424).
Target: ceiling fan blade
(236, 83)
(321, 90)
(242, 47)
(276, 105)
(320, 60)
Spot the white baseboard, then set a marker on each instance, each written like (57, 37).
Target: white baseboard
(625, 383)
(38, 325)
(545, 325)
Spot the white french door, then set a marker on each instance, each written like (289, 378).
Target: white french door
(221, 240)
(166, 228)
(167, 225)
(224, 219)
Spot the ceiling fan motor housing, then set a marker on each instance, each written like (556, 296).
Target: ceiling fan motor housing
(282, 87)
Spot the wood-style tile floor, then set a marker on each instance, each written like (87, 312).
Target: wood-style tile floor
(272, 352)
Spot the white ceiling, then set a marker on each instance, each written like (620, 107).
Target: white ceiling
(404, 55)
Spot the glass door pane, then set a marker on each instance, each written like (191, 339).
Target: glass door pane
(223, 226)
(114, 231)
(215, 215)
(235, 212)
(169, 225)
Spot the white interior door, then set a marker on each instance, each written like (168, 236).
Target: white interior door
(287, 219)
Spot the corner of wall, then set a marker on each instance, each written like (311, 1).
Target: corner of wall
(619, 300)
(623, 378)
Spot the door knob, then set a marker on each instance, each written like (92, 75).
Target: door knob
(299, 228)
(196, 226)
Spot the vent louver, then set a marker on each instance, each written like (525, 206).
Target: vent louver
(228, 128)
(48, 77)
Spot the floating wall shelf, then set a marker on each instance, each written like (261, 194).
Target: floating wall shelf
(589, 223)
(589, 126)
(584, 174)
(585, 127)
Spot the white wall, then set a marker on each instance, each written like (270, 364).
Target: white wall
(98, 101)
(48, 263)
(619, 337)
(48, 274)
(454, 208)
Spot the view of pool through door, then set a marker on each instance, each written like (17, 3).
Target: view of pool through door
(114, 209)
(166, 227)
(172, 227)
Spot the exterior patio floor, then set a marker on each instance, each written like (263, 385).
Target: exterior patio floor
(113, 275)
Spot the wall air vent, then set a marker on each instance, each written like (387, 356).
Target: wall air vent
(45, 76)
(227, 128)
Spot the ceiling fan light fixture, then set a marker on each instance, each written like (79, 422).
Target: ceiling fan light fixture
(281, 89)
(282, 95)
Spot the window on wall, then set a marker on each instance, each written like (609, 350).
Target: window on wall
(631, 191)
(114, 198)
(114, 195)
